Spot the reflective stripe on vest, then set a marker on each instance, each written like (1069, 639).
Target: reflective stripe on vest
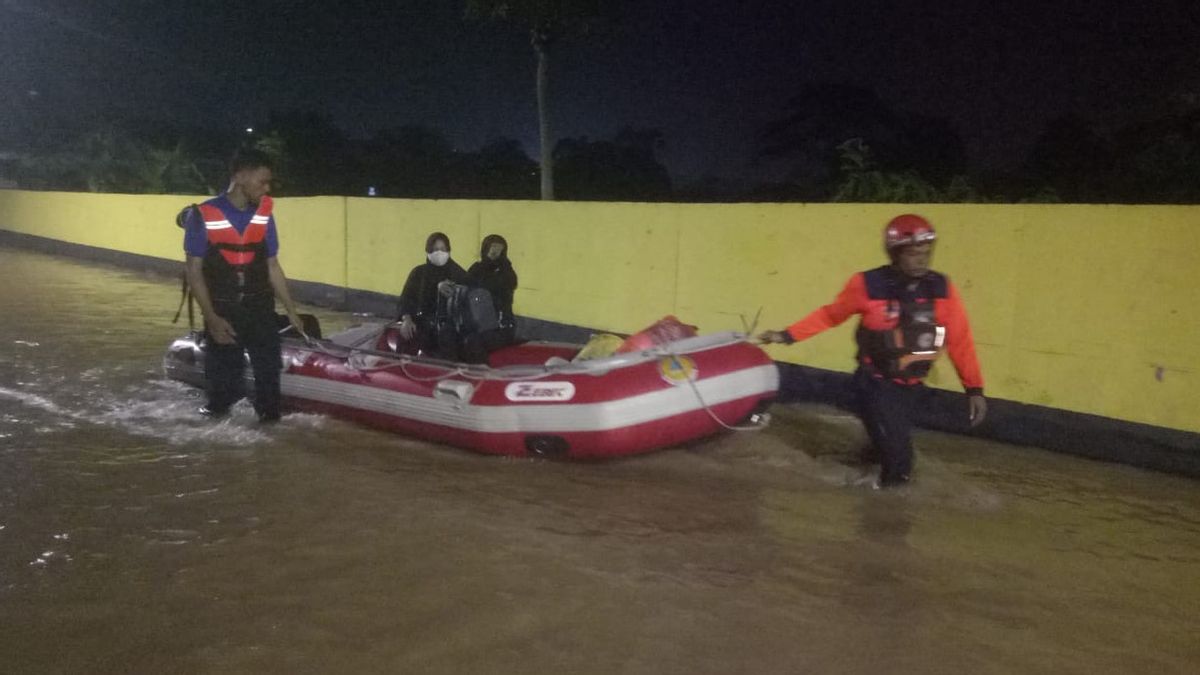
(224, 236)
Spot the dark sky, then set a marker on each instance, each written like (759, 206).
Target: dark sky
(706, 72)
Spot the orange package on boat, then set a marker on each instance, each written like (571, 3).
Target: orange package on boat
(666, 329)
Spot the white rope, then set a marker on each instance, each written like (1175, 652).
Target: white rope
(707, 408)
(403, 361)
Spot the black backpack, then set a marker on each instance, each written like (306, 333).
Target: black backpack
(470, 310)
(185, 293)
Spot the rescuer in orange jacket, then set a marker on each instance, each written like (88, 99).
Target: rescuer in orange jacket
(909, 316)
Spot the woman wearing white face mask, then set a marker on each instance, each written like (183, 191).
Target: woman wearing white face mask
(418, 301)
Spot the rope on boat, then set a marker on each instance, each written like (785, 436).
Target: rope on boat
(763, 418)
(404, 361)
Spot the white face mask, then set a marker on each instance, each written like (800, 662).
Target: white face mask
(438, 258)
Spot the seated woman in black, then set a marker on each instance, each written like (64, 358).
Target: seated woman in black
(495, 272)
(419, 300)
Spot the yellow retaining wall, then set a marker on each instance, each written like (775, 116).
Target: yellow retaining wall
(312, 238)
(139, 224)
(1079, 307)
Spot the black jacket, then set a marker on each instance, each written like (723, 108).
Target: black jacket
(497, 276)
(420, 294)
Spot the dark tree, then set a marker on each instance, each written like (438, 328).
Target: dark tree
(113, 159)
(821, 117)
(1072, 160)
(498, 170)
(1159, 160)
(547, 21)
(312, 156)
(408, 161)
(623, 169)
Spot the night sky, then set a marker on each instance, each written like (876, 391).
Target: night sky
(707, 73)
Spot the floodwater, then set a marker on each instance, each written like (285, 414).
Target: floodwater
(136, 537)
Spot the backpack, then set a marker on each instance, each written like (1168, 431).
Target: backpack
(185, 296)
(470, 310)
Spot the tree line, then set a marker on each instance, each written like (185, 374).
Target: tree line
(834, 143)
(313, 157)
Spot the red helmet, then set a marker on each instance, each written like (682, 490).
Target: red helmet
(907, 230)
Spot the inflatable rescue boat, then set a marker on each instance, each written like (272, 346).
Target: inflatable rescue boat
(533, 398)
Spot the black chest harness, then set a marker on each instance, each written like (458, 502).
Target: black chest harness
(908, 350)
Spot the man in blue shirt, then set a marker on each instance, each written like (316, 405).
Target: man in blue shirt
(232, 269)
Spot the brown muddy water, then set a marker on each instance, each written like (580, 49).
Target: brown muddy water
(136, 537)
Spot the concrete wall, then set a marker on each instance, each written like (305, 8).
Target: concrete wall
(1077, 307)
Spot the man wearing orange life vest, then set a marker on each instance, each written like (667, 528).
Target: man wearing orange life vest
(910, 314)
(231, 245)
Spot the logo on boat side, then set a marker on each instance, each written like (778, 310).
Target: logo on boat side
(677, 369)
(540, 391)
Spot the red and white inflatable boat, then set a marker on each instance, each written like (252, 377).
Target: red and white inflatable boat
(531, 398)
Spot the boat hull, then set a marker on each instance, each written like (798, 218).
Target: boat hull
(623, 405)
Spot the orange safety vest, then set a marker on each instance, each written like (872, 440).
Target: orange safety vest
(235, 266)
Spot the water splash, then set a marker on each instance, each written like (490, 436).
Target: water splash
(175, 421)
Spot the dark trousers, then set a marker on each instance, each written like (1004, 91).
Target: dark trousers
(429, 336)
(887, 410)
(437, 338)
(477, 346)
(224, 365)
(431, 339)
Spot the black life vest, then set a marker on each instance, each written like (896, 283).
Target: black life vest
(907, 348)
